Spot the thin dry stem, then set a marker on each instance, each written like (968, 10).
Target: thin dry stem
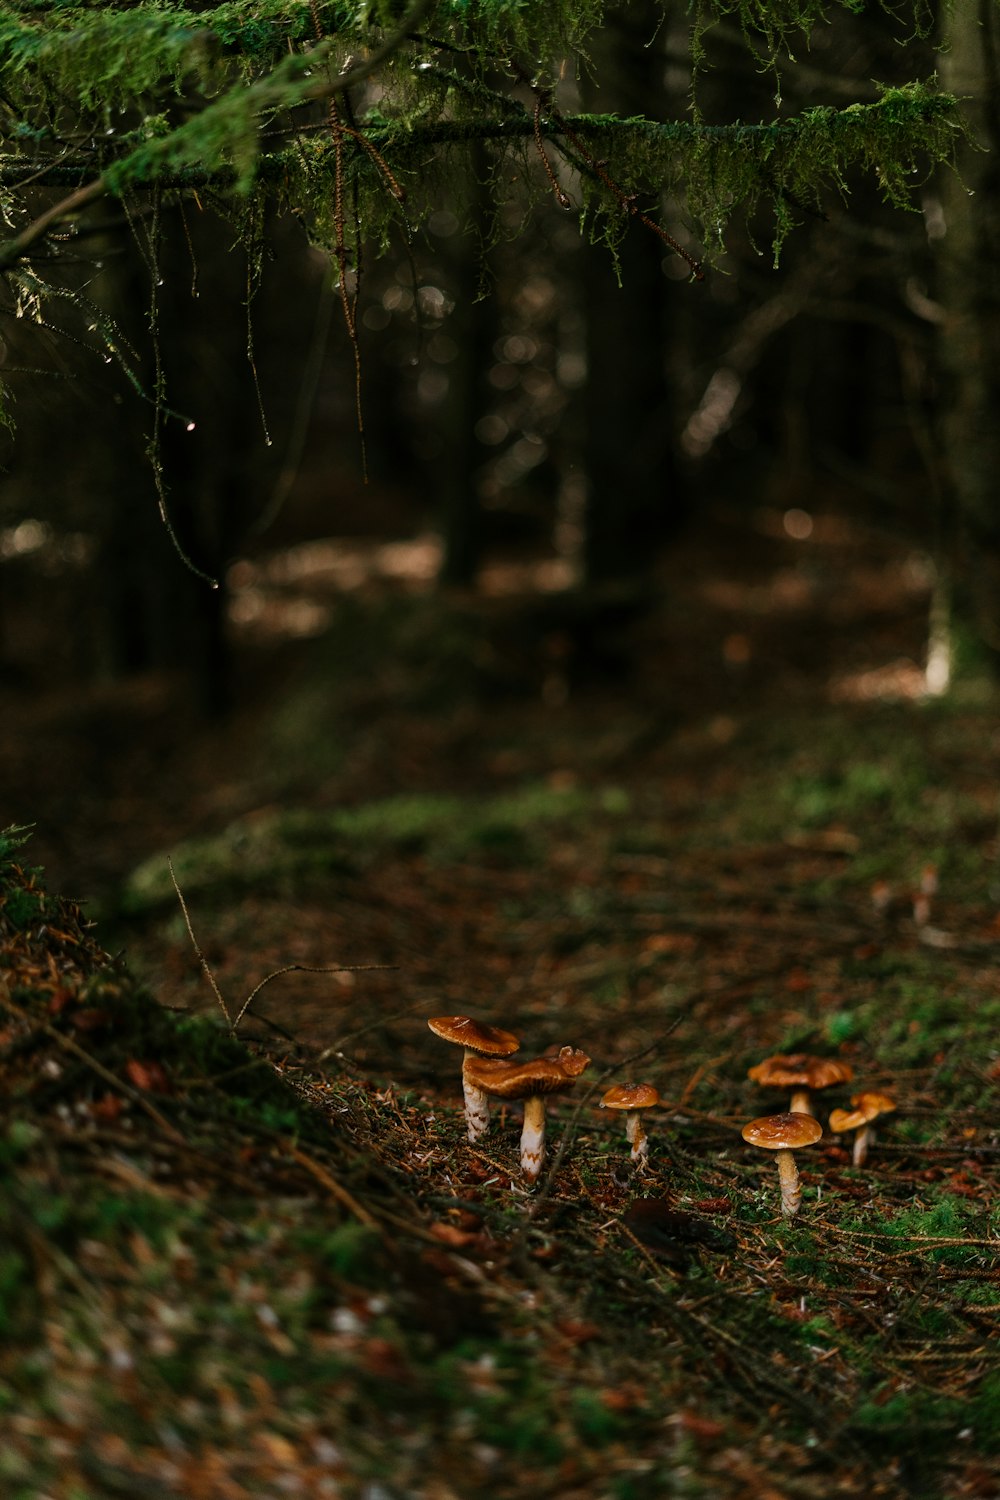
(198, 953)
(303, 969)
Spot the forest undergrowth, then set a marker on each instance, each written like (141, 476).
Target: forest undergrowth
(264, 1259)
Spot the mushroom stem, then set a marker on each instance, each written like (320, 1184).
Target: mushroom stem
(636, 1137)
(864, 1138)
(533, 1136)
(801, 1102)
(784, 1134)
(791, 1183)
(477, 1106)
(477, 1041)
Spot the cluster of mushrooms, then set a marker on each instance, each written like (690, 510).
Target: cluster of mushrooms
(488, 1072)
(787, 1133)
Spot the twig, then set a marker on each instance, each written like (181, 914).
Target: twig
(335, 1048)
(562, 198)
(333, 1187)
(919, 1242)
(304, 969)
(232, 1022)
(200, 956)
(625, 200)
(288, 1036)
(15, 249)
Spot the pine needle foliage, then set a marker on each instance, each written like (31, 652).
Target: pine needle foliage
(357, 116)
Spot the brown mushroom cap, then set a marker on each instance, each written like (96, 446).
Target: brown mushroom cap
(572, 1061)
(630, 1096)
(488, 1041)
(868, 1105)
(788, 1132)
(523, 1080)
(800, 1070)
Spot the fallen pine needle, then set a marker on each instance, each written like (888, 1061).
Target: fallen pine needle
(333, 1187)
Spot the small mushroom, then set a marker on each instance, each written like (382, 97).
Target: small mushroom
(802, 1073)
(868, 1106)
(478, 1040)
(530, 1081)
(633, 1098)
(785, 1134)
(926, 890)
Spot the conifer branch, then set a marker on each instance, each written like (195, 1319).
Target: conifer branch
(13, 250)
(262, 95)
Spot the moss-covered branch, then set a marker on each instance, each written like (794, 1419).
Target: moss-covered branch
(716, 170)
(150, 95)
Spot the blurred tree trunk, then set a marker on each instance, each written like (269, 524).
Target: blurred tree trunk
(633, 501)
(969, 289)
(475, 333)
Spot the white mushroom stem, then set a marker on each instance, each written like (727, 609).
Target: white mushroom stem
(533, 1136)
(477, 1109)
(864, 1138)
(636, 1136)
(791, 1184)
(477, 1104)
(802, 1102)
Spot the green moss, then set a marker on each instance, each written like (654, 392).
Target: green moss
(128, 75)
(22, 898)
(14, 1280)
(11, 838)
(923, 1423)
(593, 1419)
(346, 1248)
(296, 845)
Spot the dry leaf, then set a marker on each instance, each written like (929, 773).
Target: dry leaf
(150, 1076)
(108, 1107)
(449, 1234)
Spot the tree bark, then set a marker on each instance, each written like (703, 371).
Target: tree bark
(968, 272)
(628, 446)
(476, 318)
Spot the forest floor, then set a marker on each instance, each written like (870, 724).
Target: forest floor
(681, 838)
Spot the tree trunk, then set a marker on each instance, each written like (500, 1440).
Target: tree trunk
(476, 318)
(628, 447)
(968, 273)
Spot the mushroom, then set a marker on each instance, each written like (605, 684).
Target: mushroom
(478, 1040)
(801, 1073)
(868, 1105)
(633, 1098)
(530, 1081)
(923, 895)
(785, 1134)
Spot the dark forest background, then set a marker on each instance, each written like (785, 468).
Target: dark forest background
(625, 677)
(526, 396)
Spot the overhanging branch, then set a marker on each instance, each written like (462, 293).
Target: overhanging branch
(324, 87)
(931, 121)
(682, 134)
(11, 251)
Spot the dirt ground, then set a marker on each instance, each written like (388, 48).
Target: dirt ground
(678, 832)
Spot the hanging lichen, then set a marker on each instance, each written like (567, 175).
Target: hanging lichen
(238, 98)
